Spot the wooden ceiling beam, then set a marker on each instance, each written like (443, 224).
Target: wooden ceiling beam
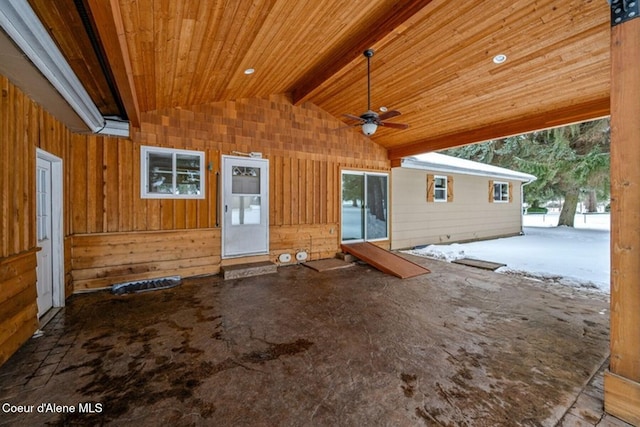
(545, 120)
(346, 53)
(108, 21)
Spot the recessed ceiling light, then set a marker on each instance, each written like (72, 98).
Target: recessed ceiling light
(249, 71)
(500, 58)
(383, 109)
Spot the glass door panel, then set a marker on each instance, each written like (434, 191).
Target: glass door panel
(376, 207)
(352, 206)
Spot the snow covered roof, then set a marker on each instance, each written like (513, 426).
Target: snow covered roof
(437, 162)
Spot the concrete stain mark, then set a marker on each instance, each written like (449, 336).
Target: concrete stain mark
(276, 350)
(430, 417)
(503, 399)
(143, 385)
(470, 395)
(409, 386)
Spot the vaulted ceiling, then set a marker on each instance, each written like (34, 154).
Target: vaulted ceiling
(433, 59)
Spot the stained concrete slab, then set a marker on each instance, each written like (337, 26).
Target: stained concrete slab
(460, 346)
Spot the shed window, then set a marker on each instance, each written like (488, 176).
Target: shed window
(440, 189)
(500, 191)
(172, 173)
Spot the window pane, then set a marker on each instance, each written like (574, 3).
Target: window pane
(245, 210)
(501, 192)
(160, 168)
(188, 174)
(42, 219)
(245, 180)
(376, 207)
(505, 192)
(352, 207)
(440, 191)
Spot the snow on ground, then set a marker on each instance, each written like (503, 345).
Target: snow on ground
(576, 256)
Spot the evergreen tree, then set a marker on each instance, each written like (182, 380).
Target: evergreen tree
(567, 161)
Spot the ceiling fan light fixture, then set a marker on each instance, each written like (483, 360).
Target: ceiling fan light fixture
(369, 128)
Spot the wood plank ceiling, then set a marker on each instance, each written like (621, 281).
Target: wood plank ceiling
(433, 59)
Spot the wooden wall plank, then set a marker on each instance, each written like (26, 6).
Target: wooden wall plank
(622, 397)
(125, 188)
(18, 314)
(111, 186)
(103, 259)
(289, 198)
(78, 192)
(5, 144)
(13, 145)
(622, 386)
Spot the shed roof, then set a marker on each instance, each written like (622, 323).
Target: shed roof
(437, 162)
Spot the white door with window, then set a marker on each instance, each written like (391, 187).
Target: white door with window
(44, 230)
(364, 206)
(49, 232)
(245, 204)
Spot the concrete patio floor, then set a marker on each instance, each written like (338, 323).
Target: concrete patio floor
(350, 347)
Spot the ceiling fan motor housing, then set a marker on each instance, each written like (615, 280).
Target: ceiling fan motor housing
(370, 117)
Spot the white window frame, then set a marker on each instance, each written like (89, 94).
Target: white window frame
(173, 172)
(436, 188)
(502, 185)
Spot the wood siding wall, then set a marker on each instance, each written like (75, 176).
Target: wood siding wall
(306, 153)
(468, 216)
(23, 127)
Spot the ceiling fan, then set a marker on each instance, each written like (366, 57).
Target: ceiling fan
(370, 120)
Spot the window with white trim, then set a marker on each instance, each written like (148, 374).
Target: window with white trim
(168, 173)
(500, 191)
(440, 188)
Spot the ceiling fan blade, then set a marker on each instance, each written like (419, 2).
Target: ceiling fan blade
(351, 116)
(395, 125)
(389, 114)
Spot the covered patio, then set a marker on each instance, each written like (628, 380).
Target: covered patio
(352, 346)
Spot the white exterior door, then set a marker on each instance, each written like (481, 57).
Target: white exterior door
(44, 230)
(245, 204)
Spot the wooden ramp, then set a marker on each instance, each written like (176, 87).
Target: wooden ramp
(383, 260)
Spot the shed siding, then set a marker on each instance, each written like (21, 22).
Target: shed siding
(469, 216)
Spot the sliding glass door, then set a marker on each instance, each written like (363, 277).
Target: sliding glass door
(364, 206)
